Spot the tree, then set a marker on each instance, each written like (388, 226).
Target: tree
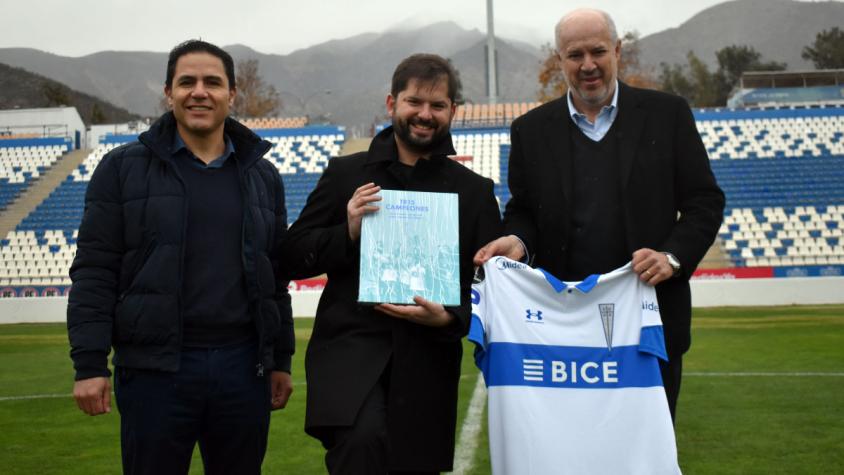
(733, 61)
(692, 81)
(673, 79)
(552, 81)
(97, 115)
(56, 94)
(255, 98)
(704, 89)
(630, 69)
(827, 52)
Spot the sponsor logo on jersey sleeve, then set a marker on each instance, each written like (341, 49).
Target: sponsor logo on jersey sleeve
(502, 263)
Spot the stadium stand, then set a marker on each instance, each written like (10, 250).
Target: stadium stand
(785, 236)
(490, 115)
(761, 88)
(484, 146)
(300, 156)
(22, 160)
(275, 122)
(5, 135)
(36, 256)
(781, 168)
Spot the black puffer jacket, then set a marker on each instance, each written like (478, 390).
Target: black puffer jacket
(127, 274)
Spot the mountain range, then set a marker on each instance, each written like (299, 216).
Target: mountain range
(778, 29)
(21, 89)
(346, 81)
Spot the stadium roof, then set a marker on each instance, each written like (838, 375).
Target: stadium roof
(773, 79)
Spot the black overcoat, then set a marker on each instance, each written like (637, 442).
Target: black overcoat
(670, 199)
(352, 344)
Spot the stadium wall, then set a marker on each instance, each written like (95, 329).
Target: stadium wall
(705, 293)
(127, 129)
(53, 309)
(45, 122)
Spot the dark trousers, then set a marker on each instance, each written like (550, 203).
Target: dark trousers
(214, 399)
(363, 447)
(672, 372)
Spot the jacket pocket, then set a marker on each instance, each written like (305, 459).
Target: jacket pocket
(126, 316)
(271, 320)
(140, 260)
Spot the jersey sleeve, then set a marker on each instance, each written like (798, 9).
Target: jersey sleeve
(652, 337)
(478, 328)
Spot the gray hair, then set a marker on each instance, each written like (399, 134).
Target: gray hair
(558, 30)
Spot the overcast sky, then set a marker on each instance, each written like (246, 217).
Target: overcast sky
(80, 27)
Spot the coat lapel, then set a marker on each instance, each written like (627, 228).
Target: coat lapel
(558, 137)
(631, 121)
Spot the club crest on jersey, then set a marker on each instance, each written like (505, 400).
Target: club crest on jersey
(533, 316)
(502, 263)
(607, 311)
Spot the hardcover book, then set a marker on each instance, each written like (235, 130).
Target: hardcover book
(410, 247)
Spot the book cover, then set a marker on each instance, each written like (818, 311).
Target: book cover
(409, 247)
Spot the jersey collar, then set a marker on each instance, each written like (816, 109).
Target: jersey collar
(584, 286)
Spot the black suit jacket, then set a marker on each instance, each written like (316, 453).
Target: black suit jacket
(670, 199)
(352, 344)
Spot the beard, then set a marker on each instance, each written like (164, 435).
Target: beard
(594, 97)
(420, 144)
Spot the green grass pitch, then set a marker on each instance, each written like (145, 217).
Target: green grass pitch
(763, 393)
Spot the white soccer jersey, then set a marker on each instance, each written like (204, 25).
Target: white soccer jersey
(572, 372)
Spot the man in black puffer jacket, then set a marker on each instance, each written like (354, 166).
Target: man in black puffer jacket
(175, 270)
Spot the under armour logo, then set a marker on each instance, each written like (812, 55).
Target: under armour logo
(531, 315)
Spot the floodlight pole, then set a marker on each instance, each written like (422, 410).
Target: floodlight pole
(491, 69)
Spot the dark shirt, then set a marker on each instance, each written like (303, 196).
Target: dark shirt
(598, 238)
(215, 306)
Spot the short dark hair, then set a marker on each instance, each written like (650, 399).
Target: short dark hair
(199, 46)
(427, 68)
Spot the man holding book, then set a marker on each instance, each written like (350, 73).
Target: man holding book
(382, 378)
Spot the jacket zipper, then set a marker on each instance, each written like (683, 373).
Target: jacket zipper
(248, 218)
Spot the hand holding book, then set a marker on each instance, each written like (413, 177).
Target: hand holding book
(359, 205)
(424, 312)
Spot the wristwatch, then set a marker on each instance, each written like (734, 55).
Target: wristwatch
(673, 262)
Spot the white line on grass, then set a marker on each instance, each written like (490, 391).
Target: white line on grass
(34, 396)
(479, 398)
(769, 374)
(70, 395)
(467, 443)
